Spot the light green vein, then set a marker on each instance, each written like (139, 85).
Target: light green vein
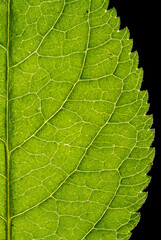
(8, 232)
(3, 218)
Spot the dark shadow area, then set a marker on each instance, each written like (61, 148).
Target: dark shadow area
(143, 18)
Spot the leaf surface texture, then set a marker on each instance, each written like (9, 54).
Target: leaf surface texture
(74, 134)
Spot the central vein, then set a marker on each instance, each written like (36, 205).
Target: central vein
(8, 231)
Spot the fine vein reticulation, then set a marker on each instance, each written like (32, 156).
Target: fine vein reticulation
(74, 135)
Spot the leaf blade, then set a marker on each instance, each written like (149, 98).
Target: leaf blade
(76, 120)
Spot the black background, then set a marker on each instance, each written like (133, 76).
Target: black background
(143, 20)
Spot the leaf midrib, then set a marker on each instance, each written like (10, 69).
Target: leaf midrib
(8, 232)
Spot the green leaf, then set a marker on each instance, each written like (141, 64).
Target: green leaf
(74, 135)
